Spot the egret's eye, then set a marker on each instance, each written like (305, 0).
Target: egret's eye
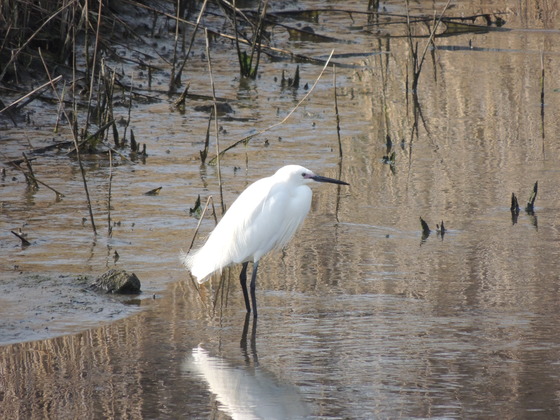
(303, 174)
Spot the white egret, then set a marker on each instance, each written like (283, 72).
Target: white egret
(264, 217)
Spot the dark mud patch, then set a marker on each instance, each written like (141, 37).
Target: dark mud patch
(35, 306)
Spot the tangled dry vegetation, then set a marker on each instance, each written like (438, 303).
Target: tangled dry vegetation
(77, 58)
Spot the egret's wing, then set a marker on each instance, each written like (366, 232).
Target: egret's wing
(275, 221)
(227, 243)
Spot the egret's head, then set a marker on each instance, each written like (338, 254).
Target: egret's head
(300, 175)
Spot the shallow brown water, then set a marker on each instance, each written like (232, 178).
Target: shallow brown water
(359, 317)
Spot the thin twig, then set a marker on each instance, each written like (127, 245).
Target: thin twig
(31, 176)
(83, 172)
(109, 227)
(215, 122)
(94, 61)
(418, 63)
(58, 193)
(337, 115)
(236, 12)
(257, 41)
(129, 108)
(75, 138)
(60, 108)
(339, 143)
(214, 214)
(247, 138)
(432, 34)
(239, 55)
(24, 242)
(176, 37)
(30, 94)
(177, 79)
(542, 104)
(184, 254)
(204, 152)
(94, 135)
(200, 221)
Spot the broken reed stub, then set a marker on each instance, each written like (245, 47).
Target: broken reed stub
(425, 228)
(531, 203)
(514, 204)
(117, 281)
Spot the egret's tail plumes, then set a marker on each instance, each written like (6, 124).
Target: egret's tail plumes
(199, 264)
(218, 252)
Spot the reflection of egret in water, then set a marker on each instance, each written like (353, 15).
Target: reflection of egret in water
(247, 392)
(243, 342)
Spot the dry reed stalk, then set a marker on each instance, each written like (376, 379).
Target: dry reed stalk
(17, 167)
(176, 80)
(60, 108)
(24, 242)
(246, 62)
(108, 111)
(204, 152)
(83, 172)
(31, 180)
(257, 39)
(215, 122)
(542, 105)
(174, 61)
(337, 115)
(30, 95)
(94, 60)
(339, 143)
(109, 227)
(418, 63)
(74, 136)
(129, 109)
(208, 200)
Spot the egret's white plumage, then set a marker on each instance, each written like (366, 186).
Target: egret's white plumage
(264, 217)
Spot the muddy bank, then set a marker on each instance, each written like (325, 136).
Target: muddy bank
(36, 306)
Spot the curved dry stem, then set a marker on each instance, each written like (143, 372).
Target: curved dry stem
(246, 139)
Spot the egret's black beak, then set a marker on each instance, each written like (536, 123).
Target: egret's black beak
(320, 178)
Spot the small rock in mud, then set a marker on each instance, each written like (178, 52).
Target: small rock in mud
(222, 108)
(117, 281)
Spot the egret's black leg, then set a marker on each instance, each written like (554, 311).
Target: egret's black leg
(253, 287)
(243, 281)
